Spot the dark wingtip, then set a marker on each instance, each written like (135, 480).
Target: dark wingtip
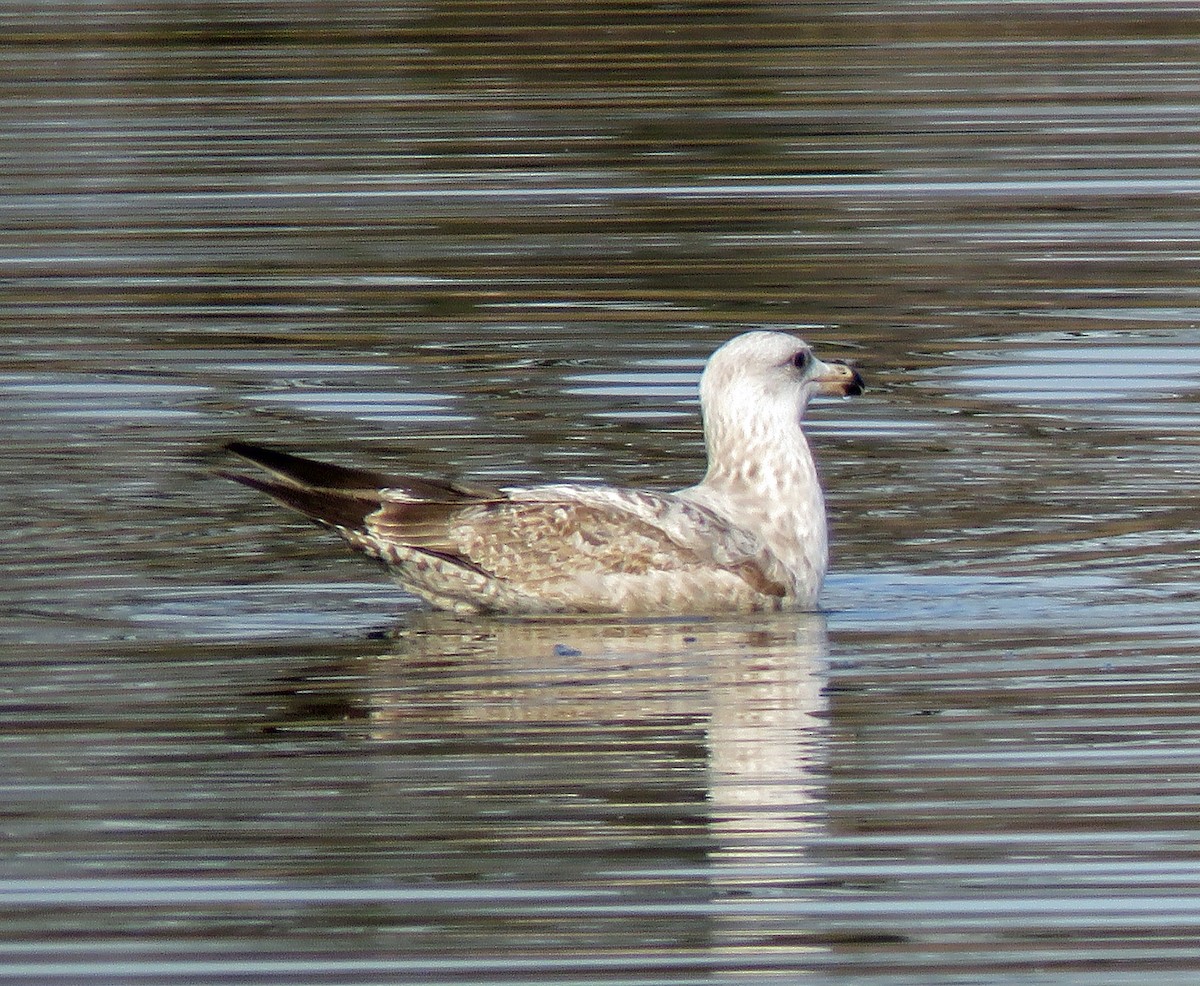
(283, 464)
(332, 508)
(299, 471)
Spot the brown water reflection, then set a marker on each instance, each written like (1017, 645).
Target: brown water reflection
(497, 241)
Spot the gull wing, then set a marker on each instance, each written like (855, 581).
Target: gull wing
(551, 534)
(515, 541)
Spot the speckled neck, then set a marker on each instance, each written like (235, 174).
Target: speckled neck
(761, 475)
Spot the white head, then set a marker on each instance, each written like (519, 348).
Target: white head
(761, 475)
(755, 388)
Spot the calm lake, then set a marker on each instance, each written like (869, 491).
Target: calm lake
(496, 241)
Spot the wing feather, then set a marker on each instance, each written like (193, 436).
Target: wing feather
(575, 531)
(522, 539)
(299, 471)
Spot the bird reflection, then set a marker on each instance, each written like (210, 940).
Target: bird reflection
(642, 718)
(678, 757)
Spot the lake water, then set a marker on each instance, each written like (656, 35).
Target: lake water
(497, 241)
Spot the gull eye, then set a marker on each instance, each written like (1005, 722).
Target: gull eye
(801, 360)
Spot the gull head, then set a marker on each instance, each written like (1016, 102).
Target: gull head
(761, 474)
(761, 382)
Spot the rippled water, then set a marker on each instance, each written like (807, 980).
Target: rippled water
(498, 241)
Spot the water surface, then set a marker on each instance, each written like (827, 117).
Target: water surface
(498, 242)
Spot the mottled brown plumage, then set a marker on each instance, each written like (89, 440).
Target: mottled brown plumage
(750, 536)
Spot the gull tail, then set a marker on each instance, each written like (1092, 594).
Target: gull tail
(343, 498)
(333, 496)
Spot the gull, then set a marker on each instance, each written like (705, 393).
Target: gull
(750, 536)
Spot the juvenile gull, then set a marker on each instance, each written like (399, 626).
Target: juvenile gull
(750, 536)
